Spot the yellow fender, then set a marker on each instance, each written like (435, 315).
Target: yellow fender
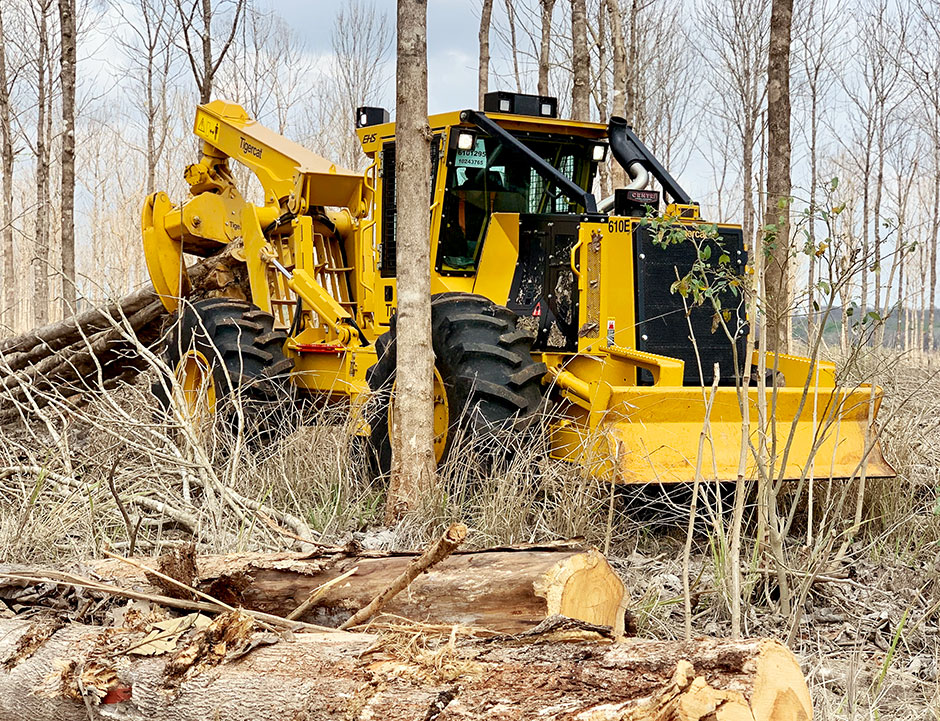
(163, 253)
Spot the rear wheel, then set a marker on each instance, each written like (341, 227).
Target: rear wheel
(227, 357)
(485, 379)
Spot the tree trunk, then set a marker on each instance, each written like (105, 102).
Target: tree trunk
(513, 46)
(930, 336)
(7, 312)
(619, 99)
(475, 588)
(778, 174)
(228, 673)
(545, 43)
(580, 63)
(413, 462)
(41, 225)
(67, 81)
(205, 89)
(483, 79)
(813, 183)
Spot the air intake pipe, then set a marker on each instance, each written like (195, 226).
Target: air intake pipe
(635, 158)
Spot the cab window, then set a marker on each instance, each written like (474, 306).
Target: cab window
(491, 178)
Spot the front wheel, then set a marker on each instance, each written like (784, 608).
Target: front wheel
(485, 379)
(229, 362)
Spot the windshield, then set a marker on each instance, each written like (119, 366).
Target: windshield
(491, 178)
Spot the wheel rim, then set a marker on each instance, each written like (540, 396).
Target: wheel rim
(194, 374)
(441, 416)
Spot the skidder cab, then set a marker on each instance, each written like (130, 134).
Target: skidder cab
(538, 290)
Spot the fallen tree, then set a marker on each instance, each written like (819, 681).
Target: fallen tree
(100, 346)
(226, 671)
(507, 590)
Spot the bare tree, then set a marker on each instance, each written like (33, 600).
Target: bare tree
(67, 48)
(41, 257)
(197, 18)
(358, 68)
(921, 64)
(6, 161)
(820, 23)
(546, 8)
(149, 55)
(777, 215)
(619, 95)
(513, 44)
(413, 422)
(736, 34)
(580, 63)
(486, 15)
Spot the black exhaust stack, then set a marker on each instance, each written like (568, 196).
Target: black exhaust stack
(629, 149)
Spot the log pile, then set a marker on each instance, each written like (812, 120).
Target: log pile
(98, 347)
(508, 633)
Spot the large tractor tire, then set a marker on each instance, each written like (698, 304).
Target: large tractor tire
(227, 357)
(485, 380)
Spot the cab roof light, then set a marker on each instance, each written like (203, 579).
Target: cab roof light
(366, 116)
(501, 101)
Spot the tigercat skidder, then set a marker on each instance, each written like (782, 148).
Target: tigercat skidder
(540, 293)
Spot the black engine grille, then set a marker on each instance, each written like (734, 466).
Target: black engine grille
(662, 326)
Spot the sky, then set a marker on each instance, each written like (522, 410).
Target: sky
(453, 27)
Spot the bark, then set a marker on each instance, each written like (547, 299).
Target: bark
(67, 187)
(41, 240)
(78, 672)
(619, 99)
(778, 174)
(547, 7)
(580, 63)
(633, 89)
(6, 201)
(470, 588)
(413, 462)
(483, 80)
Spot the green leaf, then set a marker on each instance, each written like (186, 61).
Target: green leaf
(706, 252)
(724, 259)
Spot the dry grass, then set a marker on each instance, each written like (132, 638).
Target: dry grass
(867, 631)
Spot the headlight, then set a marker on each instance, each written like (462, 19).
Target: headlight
(599, 153)
(465, 141)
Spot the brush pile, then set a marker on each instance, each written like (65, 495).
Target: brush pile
(98, 348)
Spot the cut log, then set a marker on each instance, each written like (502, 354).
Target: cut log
(504, 590)
(226, 673)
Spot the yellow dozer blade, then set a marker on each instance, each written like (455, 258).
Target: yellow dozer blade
(652, 434)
